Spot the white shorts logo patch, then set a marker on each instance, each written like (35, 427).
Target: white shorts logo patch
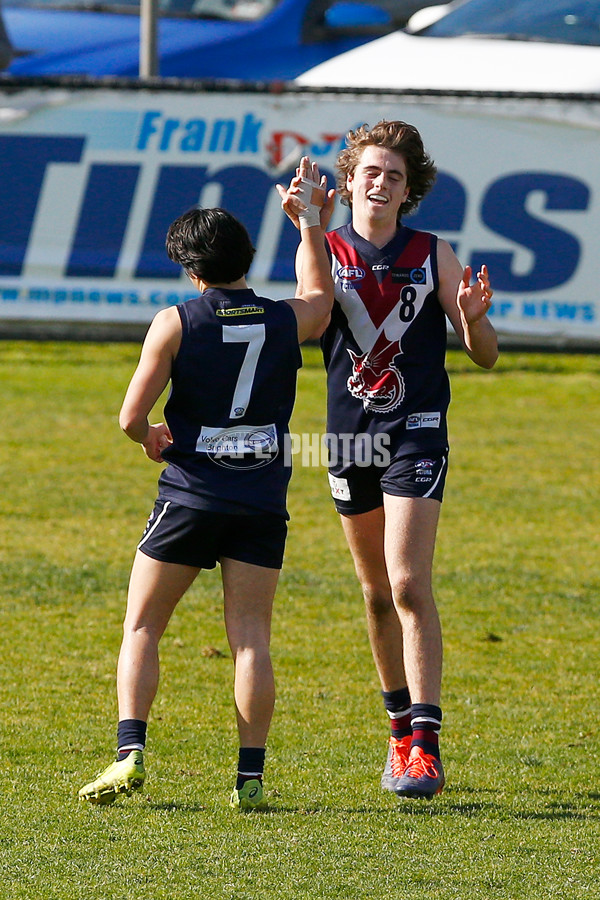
(339, 488)
(423, 420)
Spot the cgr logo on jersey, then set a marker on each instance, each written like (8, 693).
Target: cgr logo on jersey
(350, 277)
(240, 311)
(423, 420)
(409, 276)
(424, 471)
(375, 379)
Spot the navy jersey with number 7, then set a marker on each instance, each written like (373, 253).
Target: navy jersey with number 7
(233, 386)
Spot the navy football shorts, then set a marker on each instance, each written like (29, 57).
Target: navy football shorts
(359, 489)
(199, 537)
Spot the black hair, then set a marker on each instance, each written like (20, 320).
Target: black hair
(210, 244)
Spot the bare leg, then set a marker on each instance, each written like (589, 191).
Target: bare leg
(248, 592)
(410, 532)
(365, 537)
(154, 591)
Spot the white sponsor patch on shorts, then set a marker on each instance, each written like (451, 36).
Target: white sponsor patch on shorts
(339, 488)
(423, 420)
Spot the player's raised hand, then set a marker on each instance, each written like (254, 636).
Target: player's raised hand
(305, 197)
(306, 202)
(474, 300)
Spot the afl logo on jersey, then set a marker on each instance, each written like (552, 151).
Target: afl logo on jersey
(350, 277)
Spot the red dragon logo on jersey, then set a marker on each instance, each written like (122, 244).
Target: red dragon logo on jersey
(375, 379)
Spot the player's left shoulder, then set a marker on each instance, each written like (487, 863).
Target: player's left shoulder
(445, 253)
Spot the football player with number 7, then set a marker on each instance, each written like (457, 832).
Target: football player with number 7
(231, 358)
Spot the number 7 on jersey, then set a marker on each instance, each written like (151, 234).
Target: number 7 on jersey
(254, 336)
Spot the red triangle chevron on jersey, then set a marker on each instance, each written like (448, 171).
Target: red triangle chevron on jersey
(416, 250)
(375, 379)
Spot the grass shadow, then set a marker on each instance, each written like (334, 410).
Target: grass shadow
(581, 807)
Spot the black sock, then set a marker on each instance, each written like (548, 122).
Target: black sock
(397, 704)
(131, 735)
(426, 723)
(251, 764)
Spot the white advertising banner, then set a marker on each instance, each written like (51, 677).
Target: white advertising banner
(91, 177)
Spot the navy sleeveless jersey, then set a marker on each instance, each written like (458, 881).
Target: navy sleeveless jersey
(233, 386)
(385, 347)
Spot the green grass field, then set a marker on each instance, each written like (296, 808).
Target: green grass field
(518, 585)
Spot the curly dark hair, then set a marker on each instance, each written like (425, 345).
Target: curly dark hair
(210, 244)
(401, 138)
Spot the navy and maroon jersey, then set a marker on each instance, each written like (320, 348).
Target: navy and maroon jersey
(233, 386)
(385, 347)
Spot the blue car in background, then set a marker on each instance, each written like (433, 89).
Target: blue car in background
(252, 40)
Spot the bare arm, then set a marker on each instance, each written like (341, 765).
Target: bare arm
(466, 305)
(314, 295)
(149, 381)
(323, 323)
(312, 305)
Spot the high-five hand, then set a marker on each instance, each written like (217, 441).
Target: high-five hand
(307, 202)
